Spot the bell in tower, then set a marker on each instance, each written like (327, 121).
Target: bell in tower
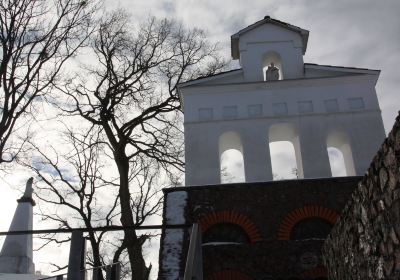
(272, 73)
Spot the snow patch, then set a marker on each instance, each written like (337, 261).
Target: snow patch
(175, 209)
(172, 252)
(173, 238)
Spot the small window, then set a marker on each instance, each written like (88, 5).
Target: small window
(255, 110)
(280, 109)
(331, 106)
(229, 112)
(205, 114)
(305, 107)
(356, 103)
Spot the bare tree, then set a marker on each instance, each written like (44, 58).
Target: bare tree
(131, 93)
(37, 37)
(70, 184)
(76, 186)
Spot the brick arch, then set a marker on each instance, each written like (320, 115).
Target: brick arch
(229, 275)
(311, 211)
(319, 271)
(231, 217)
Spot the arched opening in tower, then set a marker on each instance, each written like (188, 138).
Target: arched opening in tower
(231, 158)
(232, 167)
(340, 154)
(285, 154)
(283, 160)
(272, 59)
(336, 161)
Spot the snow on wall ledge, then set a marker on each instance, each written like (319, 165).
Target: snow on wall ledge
(175, 208)
(172, 244)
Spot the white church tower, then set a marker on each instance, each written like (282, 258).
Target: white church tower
(312, 106)
(16, 255)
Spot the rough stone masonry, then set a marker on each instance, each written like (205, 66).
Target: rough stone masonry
(364, 244)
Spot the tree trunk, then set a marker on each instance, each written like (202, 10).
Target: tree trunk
(134, 246)
(96, 256)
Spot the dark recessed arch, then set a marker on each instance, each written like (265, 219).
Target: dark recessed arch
(225, 232)
(231, 217)
(297, 215)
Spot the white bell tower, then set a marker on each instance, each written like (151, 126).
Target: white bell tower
(314, 107)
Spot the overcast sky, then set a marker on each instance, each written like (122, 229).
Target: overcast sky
(355, 33)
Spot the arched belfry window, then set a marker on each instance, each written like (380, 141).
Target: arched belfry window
(284, 147)
(272, 60)
(340, 154)
(231, 158)
(336, 161)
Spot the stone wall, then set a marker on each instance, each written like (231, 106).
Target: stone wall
(364, 244)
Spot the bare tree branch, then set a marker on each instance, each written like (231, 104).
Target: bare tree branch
(135, 102)
(37, 38)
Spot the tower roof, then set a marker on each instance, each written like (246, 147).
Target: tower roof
(267, 19)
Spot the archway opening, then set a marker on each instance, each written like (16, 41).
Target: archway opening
(283, 160)
(312, 215)
(231, 158)
(310, 228)
(232, 167)
(231, 217)
(340, 154)
(336, 161)
(225, 233)
(275, 58)
(284, 147)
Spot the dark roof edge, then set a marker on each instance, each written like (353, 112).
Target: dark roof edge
(271, 20)
(187, 83)
(343, 67)
(197, 187)
(210, 76)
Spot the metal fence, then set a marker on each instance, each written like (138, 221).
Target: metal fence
(77, 254)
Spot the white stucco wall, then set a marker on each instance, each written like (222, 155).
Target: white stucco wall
(255, 44)
(363, 126)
